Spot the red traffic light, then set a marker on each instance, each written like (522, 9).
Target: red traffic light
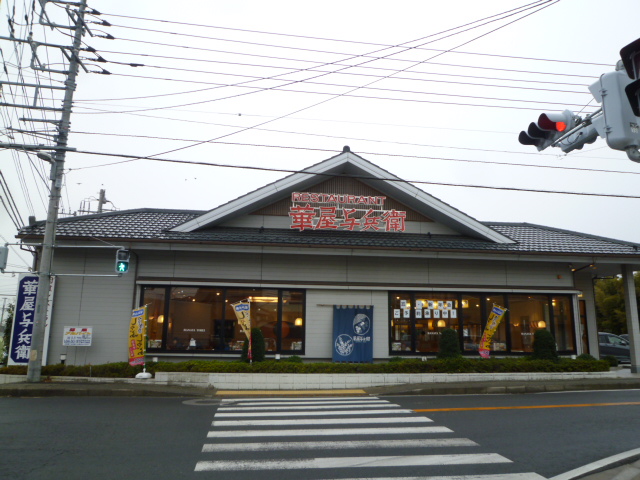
(547, 123)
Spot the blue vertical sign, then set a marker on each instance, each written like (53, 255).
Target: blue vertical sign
(20, 344)
(352, 334)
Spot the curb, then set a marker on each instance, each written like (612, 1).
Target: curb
(602, 465)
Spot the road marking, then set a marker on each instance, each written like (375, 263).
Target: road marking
(311, 413)
(353, 462)
(320, 421)
(305, 407)
(525, 407)
(265, 447)
(503, 476)
(296, 399)
(325, 432)
(290, 401)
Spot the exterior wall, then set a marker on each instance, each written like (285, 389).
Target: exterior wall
(319, 333)
(350, 270)
(103, 303)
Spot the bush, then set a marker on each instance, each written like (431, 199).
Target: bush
(449, 347)
(544, 346)
(585, 356)
(257, 346)
(611, 360)
(293, 359)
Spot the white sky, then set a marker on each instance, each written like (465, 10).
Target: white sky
(412, 127)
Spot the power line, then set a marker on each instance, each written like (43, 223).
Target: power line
(361, 177)
(422, 157)
(319, 38)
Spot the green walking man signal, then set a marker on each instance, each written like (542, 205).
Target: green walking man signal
(122, 261)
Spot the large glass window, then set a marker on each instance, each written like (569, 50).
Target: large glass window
(527, 313)
(202, 319)
(154, 298)
(563, 323)
(417, 318)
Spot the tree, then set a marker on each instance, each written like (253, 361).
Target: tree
(449, 346)
(544, 345)
(610, 309)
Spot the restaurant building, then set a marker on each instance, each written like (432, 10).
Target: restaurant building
(343, 233)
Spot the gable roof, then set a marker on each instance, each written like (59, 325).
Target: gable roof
(156, 225)
(348, 164)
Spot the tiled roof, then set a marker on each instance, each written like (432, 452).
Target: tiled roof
(154, 225)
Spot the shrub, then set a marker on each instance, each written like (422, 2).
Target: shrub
(293, 359)
(544, 346)
(257, 346)
(449, 347)
(585, 356)
(611, 360)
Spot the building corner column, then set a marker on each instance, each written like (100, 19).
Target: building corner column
(633, 323)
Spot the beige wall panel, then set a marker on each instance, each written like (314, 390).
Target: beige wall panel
(217, 265)
(103, 303)
(300, 268)
(319, 331)
(156, 263)
(388, 270)
(539, 274)
(467, 272)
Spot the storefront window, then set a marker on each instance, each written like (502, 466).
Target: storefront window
(154, 298)
(202, 319)
(292, 321)
(416, 320)
(471, 323)
(192, 315)
(527, 313)
(401, 319)
(563, 324)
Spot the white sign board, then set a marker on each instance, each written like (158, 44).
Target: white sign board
(77, 336)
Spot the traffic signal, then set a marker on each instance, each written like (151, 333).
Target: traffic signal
(619, 94)
(122, 260)
(4, 256)
(550, 127)
(579, 138)
(630, 56)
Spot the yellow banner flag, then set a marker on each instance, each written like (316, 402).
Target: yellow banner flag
(242, 310)
(495, 317)
(137, 333)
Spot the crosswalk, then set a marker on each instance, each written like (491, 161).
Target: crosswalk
(342, 438)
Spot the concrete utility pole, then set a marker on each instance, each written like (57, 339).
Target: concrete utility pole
(46, 259)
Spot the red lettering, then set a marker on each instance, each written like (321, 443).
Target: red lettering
(302, 217)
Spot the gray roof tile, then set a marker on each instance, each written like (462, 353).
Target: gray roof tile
(155, 225)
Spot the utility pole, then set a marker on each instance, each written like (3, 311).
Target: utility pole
(57, 166)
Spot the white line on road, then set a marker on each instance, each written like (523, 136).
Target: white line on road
(325, 432)
(320, 421)
(353, 462)
(503, 476)
(296, 399)
(306, 407)
(311, 413)
(277, 446)
(315, 402)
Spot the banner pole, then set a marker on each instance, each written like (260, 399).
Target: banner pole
(144, 374)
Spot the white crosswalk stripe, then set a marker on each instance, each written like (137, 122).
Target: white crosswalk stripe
(242, 429)
(320, 421)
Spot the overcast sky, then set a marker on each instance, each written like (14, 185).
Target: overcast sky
(421, 88)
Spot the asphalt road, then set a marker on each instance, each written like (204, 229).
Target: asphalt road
(577, 428)
(163, 438)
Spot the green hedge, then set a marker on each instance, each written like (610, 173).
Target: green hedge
(395, 365)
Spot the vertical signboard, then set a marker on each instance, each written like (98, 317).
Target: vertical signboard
(22, 332)
(495, 317)
(352, 334)
(137, 332)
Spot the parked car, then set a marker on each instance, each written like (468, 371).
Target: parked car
(625, 336)
(614, 345)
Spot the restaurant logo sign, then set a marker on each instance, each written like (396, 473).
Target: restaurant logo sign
(329, 211)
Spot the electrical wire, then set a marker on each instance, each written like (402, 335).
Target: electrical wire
(360, 177)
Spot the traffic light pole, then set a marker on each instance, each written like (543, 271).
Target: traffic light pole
(34, 370)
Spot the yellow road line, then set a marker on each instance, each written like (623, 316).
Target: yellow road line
(525, 407)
